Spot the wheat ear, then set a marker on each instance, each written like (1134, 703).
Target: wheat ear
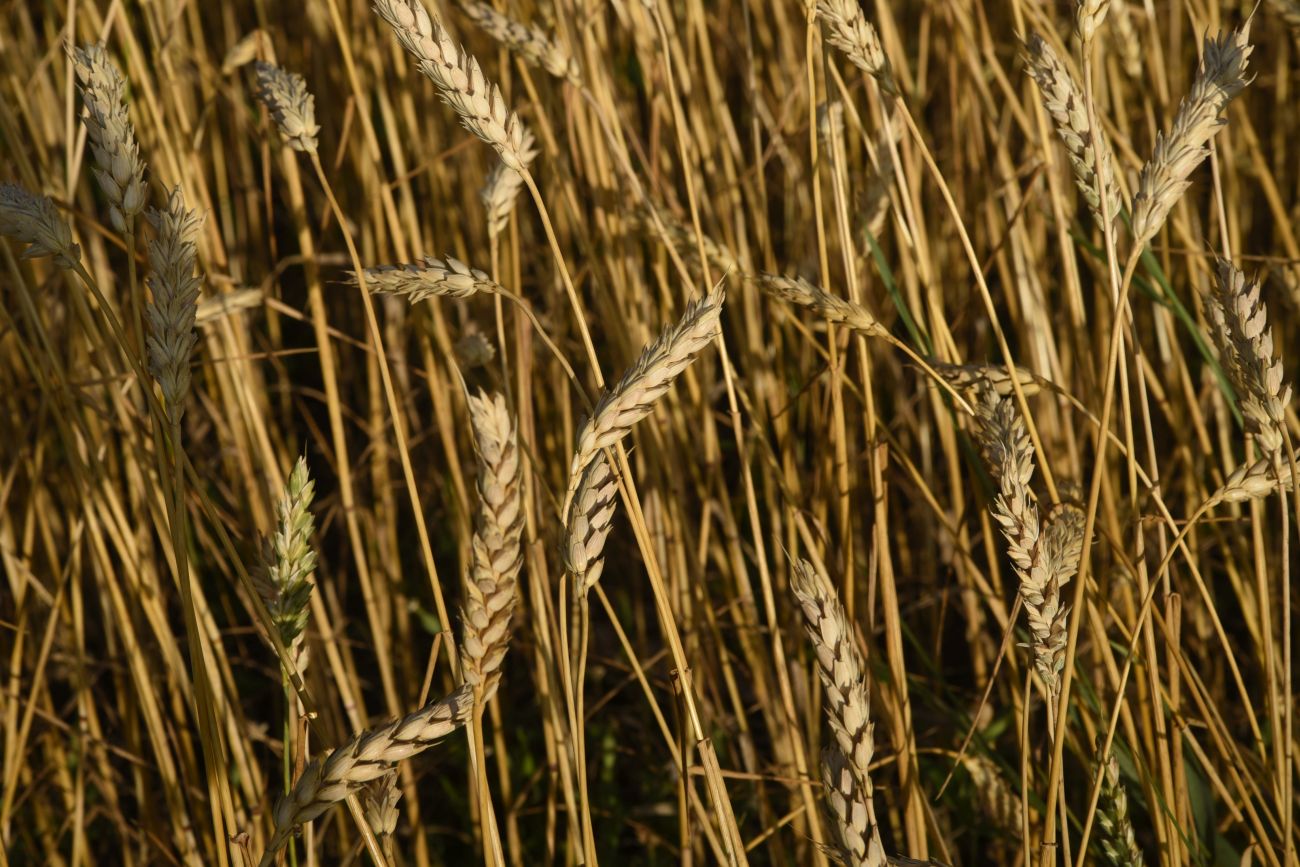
(843, 675)
(459, 79)
(288, 561)
(1252, 481)
(492, 585)
(502, 187)
(172, 311)
(973, 379)
(1220, 76)
(429, 277)
(35, 221)
(645, 382)
(379, 805)
(112, 138)
(850, 31)
(529, 42)
(1246, 349)
(332, 777)
(587, 524)
(1117, 838)
(1088, 17)
(799, 291)
(290, 103)
(1125, 39)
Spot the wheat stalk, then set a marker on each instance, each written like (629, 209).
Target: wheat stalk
(290, 103)
(288, 561)
(492, 585)
(35, 221)
(119, 171)
(849, 31)
(1064, 101)
(645, 382)
(587, 524)
(172, 311)
(459, 79)
(1246, 349)
(528, 41)
(429, 277)
(1220, 76)
(330, 778)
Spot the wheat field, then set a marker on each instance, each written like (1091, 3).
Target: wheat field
(649, 431)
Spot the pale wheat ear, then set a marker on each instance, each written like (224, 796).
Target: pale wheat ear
(288, 561)
(587, 524)
(429, 277)
(797, 290)
(291, 105)
(849, 31)
(503, 184)
(530, 42)
(36, 222)
(119, 171)
(1117, 838)
(1088, 17)
(174, 285)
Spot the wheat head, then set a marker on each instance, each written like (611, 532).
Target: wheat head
(429, 277)
(587, 524)
(528, 41)
(172, 311)
(36, 222)
(119, 171)
(291, 105)
(849, 31)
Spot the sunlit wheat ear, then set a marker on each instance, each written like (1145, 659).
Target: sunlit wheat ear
(429, 277)
(529, 42)
(799, 291)
(1246, 350)
(972, 379)
(849, 31)
(1117, 838)
(645, 382)
(1045, 556)
(288, 561)
(332, 777)
(1220, 76)
(492, 587)
(35, 221)
(1252, 481)
(459, 79)
(587, 524)
(843, 676)
(1088, 17)
(379, 804)
(112, 138)
(291, 105)
(174, 305)
(1065, 103)
(502, 187)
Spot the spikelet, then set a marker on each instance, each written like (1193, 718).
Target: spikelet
(35, 221)
(174, 306)
(1246, 349)
(459, 79)
(1088, 17)
(529, 42)
(291, 105)
(502, 187)
(1289, 12)
(849, 31)
(492, 586)
(682, 237)
(587, 524)
(1065, 103)
(330, 778)
(112, 138)
(1252, 481)
(1220, 76)
(799, 291)
(647, 380)
(288, 561)
(1117, 838)
(379, 804)
(429, 277)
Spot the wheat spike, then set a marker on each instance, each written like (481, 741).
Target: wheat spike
(973, 379)
(682, 237)
(291, 105)
(1065, 103)
(1252, 481)
(112, 138)
(459, 79)
(1088, 17)
(502, 187)
(430, 277)
(799, 291)
(379, 804)
(647, 380)
(859, 840)
(1117, 838)
(288, 561)
(172, 311)
(1220, 76)
(529, 42)
(492, 586)
(35, 221)
(330, 778)
(588, 523)
(1125, 40)
(849, 31)
(1246, 349)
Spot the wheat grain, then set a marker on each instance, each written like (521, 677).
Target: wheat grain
(459, 79)
(172, 311)
(1246, 349)
(645, 382)
(1220, 76)
(429, 277)
(330, 778)
(112, 138)
(528, 41)
(291, 105)
(849, 31)
(1064, 101)
(35, 221)
(288, 561)
(588, 523)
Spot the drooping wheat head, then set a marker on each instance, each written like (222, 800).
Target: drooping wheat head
(36, 222)
(174, 286)
(429, 277)
(119, 171)
(530, 42)
(291, 105)
(799, 291)
(288, 561)
(588, 523)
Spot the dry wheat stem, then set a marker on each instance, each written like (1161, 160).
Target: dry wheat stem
(459, 79)
(528, 41)
(36, 222)
(1220, 76)
(291, 105)
(1064, 101)
(175, 290)
(332, 777)
(645, 382)
(119, 171)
